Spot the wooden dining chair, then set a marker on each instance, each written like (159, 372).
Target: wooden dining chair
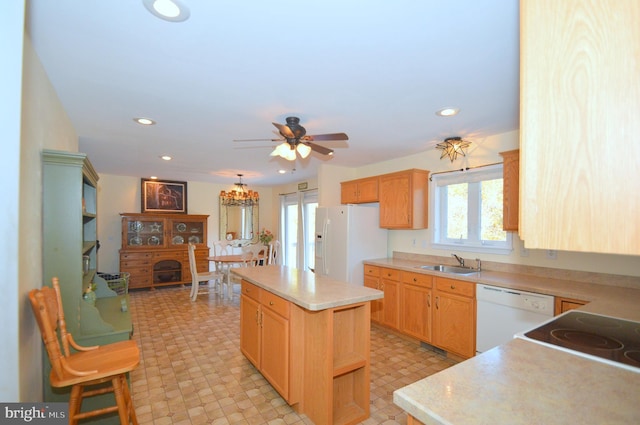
(274, 252)
(88, 367)
(197, 277)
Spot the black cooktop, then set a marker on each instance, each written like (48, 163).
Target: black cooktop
(609, 338)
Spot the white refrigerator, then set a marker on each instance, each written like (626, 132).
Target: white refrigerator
(345, 236)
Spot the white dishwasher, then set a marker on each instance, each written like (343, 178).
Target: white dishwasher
(503, 312)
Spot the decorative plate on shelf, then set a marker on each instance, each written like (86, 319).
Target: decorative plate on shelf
(136, 226)
(194, 239)
(177, 240)
(135, 241)
(153, 240)
(181, 227)
(194, 230)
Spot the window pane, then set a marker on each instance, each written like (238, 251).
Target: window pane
(457, 211)
(309, 231)
(291, 235)
(491, 211)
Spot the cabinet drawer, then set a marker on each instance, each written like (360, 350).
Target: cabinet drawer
(459, 287)
(251, 290)
(419, 279)
(136, 256)
(275, 303)
(135, 264)
(371, 270)
(390, 274)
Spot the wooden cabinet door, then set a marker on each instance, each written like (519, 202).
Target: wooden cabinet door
(349, 192)
(510, 188)
(250, 329)
(563, 305)
(579, 100)
(376, 305)
(275, 350)
(368, 190)
(391, 303)
(454, 324)
(416, 311)
(395, 201)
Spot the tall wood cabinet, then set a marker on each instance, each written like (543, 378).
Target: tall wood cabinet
(154, 248)
(70, 217)
(510, 189)
(404, 199)
(579, 109)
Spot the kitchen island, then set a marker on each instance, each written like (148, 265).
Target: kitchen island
(309, 336)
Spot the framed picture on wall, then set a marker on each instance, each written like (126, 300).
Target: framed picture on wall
(163, 196)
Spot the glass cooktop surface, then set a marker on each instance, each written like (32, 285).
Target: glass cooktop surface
(608, 339)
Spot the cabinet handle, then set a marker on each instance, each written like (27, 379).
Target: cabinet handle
(453, 286)
(429, 300)
(415, 279)
(261, 317)
(437, 303)
(270, 302)
(257, 317)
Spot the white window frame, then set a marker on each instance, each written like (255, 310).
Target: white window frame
(472, 243)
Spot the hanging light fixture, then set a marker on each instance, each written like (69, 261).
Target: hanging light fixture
(239, 195)
(452, 147)
(288, 150)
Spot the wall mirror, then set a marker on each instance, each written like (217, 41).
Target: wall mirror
(239, 223)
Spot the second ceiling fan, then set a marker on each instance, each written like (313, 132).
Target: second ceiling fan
(295, 139)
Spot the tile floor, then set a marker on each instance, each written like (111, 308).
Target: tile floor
(192, 370)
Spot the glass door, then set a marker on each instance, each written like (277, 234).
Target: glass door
(298, 222)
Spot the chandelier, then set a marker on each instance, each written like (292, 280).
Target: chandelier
(239, 195)
(452, 147)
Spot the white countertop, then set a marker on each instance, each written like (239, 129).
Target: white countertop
(525, 383)
(522, 382)
(304, 288)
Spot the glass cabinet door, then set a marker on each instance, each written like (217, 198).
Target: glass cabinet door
(144, 232)
(184, 231)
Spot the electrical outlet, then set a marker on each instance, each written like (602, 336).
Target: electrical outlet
(414, 242)
(552, 254)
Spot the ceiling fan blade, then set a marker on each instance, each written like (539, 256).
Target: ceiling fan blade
(284, 130)
(257, 140)
(325, 137)
(320, 149)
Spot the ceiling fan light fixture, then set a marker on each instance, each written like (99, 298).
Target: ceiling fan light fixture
(303, 150)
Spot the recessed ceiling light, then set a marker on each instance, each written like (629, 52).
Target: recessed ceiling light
(166, 157)
(169, 10)
(154, 177)
(144, 121)
(448, 112)
(282, 171)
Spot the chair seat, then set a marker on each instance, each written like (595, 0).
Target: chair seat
(112, 359)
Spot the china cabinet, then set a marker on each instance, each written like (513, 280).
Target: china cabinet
(579, 108)
(154, 248)
(359, 191)
(404, 199)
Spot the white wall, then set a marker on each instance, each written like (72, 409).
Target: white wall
(121, 194)
(482, 151)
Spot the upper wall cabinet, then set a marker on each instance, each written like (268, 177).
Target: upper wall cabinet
(580, 103)
(404, 199)
(359, 191)
(510, 189)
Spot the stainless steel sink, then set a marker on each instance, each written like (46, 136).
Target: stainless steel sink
(448, 269)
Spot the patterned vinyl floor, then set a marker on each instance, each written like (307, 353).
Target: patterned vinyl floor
(192, 370)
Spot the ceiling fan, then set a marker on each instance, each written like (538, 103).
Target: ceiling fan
(295, 139)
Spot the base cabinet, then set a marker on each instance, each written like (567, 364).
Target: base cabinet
(415, 305)
(390, 285)
(372, 280)
(454, 318)
(563, 305)
(319, 360)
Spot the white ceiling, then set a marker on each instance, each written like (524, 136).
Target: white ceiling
(376, 70)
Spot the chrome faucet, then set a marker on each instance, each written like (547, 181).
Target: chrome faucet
(479, 265)
(460, 260)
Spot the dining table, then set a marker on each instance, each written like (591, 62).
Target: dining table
(226, 262)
